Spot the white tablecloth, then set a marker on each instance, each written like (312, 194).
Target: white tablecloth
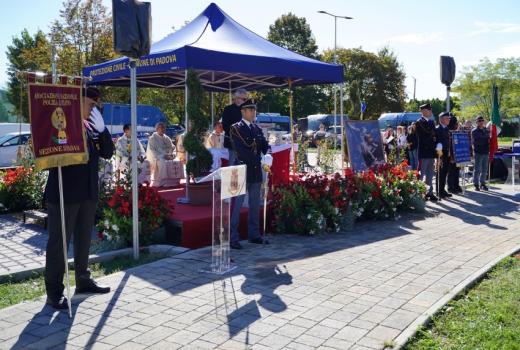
(218, 154)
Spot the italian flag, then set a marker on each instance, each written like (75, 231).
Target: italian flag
(496, 122)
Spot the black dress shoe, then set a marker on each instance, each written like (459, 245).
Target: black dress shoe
(458, 190)
(58, 303)
(235, 245)
(259, 240)
(484, 187)
(445, 195)
(477, 188)
(433, 197)
(91, 287)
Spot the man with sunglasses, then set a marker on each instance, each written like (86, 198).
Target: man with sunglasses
(80, 195)
(232, 114)
(480, 137)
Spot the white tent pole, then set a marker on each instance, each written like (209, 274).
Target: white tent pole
(187, 156)
(133, 123)
(212, 103)
(230, 97)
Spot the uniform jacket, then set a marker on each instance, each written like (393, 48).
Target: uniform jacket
(81, 182)
(425, 130)
(230, 116)
(250, 144)
(442, 135)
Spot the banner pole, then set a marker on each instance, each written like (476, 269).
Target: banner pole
(289, 83)
(266, 192)
(62, 205)
(64, 239)
(133, 123)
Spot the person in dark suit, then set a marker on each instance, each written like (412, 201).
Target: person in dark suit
(80, 194)
(480, 138)
(453, 170)
(230, 116)
(249, 143)
(443, 141)
(425, 129)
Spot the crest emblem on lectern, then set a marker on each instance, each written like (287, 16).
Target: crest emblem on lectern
(233, 184)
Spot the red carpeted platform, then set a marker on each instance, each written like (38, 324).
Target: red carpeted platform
(192, 224)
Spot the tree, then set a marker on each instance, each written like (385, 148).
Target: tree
(26, 53)
(379, 79)
(82, 35)
(438, 105)
(293, 33)
(474, 87)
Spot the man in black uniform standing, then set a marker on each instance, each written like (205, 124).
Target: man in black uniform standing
(80, 194)
(249, 143)
(425, 129)
(230, 116)
(453, 169)
(443, 138)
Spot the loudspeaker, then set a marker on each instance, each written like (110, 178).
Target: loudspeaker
(447, 70)
(132, 27)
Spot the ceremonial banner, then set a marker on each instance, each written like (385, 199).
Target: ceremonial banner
(461, 148)
(58, 136)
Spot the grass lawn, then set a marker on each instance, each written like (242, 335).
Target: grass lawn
(486, 317)
(505, 141)
(12, 293)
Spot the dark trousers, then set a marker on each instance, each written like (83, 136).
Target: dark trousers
(79, 219)
(453, 177)
(443, 173)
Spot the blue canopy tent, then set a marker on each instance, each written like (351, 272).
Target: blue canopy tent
(225, 55)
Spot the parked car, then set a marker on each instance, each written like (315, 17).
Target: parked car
(332, 125)
(174, 130)
(6, 128)
(9, 144)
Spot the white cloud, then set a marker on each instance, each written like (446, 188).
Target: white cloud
(414, 38)
(509, 51)
(495, 27)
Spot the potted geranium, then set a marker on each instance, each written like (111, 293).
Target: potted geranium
(200, 159)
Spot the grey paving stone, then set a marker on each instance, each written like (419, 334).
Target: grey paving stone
(367, 286)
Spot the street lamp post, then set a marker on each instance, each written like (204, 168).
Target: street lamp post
(414, 81)
(334, 88)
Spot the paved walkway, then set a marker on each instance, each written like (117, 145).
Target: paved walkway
(355, 290)
(22, 246)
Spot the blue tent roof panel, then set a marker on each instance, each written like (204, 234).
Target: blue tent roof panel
(215, 43)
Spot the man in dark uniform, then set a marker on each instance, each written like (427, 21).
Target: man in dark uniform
(230, 116)
(453, 170)
(443, 141)
(425, 129)
(249, 144)
(80, 194)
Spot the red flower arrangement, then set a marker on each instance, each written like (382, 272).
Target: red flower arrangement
(117, 214)
(315, 201)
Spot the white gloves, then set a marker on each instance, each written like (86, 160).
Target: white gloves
(267, 159)
(96, 120)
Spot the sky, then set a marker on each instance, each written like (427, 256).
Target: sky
(418, 32)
